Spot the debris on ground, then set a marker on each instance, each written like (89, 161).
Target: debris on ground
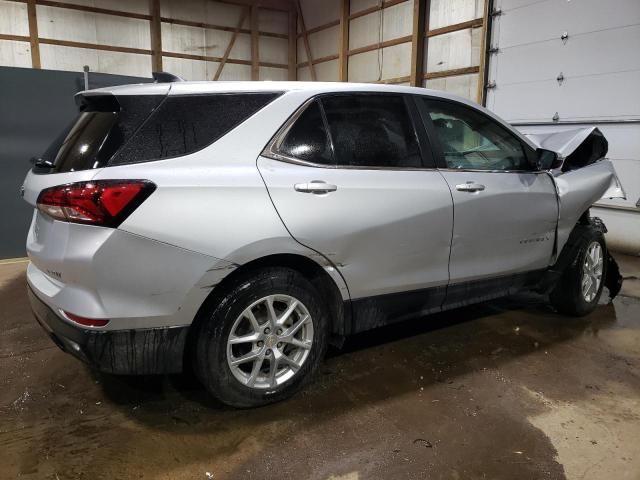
(423, 442)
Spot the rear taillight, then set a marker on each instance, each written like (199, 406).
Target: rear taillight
(102, 202)
(86, 322)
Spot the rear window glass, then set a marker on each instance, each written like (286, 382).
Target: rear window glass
(186, 124)
(132, 129)
(103, 125)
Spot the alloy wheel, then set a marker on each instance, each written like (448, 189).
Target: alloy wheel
(270, 341)
(592, 271)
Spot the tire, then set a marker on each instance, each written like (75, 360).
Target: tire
(245, 385)
(568, 296)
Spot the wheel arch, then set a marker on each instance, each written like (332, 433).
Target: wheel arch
(339, 308)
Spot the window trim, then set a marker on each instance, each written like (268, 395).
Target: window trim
(436, 145)
(427, 154)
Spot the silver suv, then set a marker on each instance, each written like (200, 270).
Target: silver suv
(242, 227)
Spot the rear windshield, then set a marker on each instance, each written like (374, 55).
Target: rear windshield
(120, 130)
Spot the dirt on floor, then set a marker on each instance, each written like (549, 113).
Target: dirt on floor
(503, 390)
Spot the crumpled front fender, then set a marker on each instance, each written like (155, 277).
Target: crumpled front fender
(579, 189)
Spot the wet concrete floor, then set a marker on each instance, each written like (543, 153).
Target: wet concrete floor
(504, 390)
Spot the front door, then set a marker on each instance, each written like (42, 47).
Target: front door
(505, 212)
(349, 181)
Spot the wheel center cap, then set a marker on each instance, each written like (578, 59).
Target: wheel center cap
(271, 341)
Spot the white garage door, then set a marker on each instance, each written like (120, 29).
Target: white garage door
(563, 63)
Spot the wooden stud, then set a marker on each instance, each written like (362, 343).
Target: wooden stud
(486, 41)
(243, 16)
(156, 35)
(417, 42)
(343, 42)
(305, 37)
(33, 33)
(293, 45)
(255, 45)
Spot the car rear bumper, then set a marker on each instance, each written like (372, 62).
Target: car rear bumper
(126, 352)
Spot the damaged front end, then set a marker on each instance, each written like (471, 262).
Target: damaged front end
(582, 176)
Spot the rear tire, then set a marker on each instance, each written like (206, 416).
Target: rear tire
(263, 340)
(579, 289)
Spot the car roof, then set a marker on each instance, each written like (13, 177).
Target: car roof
(185, 88)
(312, 88)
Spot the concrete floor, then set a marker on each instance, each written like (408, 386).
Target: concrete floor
(504, 390)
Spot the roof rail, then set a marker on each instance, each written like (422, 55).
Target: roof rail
(165, 77)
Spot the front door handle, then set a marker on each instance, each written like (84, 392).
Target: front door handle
(470, 187)
(315, 186)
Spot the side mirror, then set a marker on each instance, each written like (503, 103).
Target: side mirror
(547, 159)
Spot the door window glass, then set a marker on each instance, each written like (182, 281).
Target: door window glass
(372, 131)
(307, 138)
(471, 140)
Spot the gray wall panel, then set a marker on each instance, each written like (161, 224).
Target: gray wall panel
(34, 107)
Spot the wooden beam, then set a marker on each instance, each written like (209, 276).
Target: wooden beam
(94, 46)
(14, 38)
(293, 45)
(209, 58)
(417, 42)
(255, 44)
(224, 28)
(279, 5)
(475, 23)
(316, 61)
(319, 28)
(484, 46)
(155, 28)
(86, 8)
(376, 46)
(33, 33)
(305, 36)
(367, 11)
(451, 73)
(343, 42)
(391, 81)
(225, 57)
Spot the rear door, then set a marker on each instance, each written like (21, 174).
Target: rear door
(505, 212)
(349, 180)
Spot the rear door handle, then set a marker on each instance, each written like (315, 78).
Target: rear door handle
(315, 186)
(470, 187)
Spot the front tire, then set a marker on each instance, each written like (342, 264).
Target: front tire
(580, 286)
(263, 340)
